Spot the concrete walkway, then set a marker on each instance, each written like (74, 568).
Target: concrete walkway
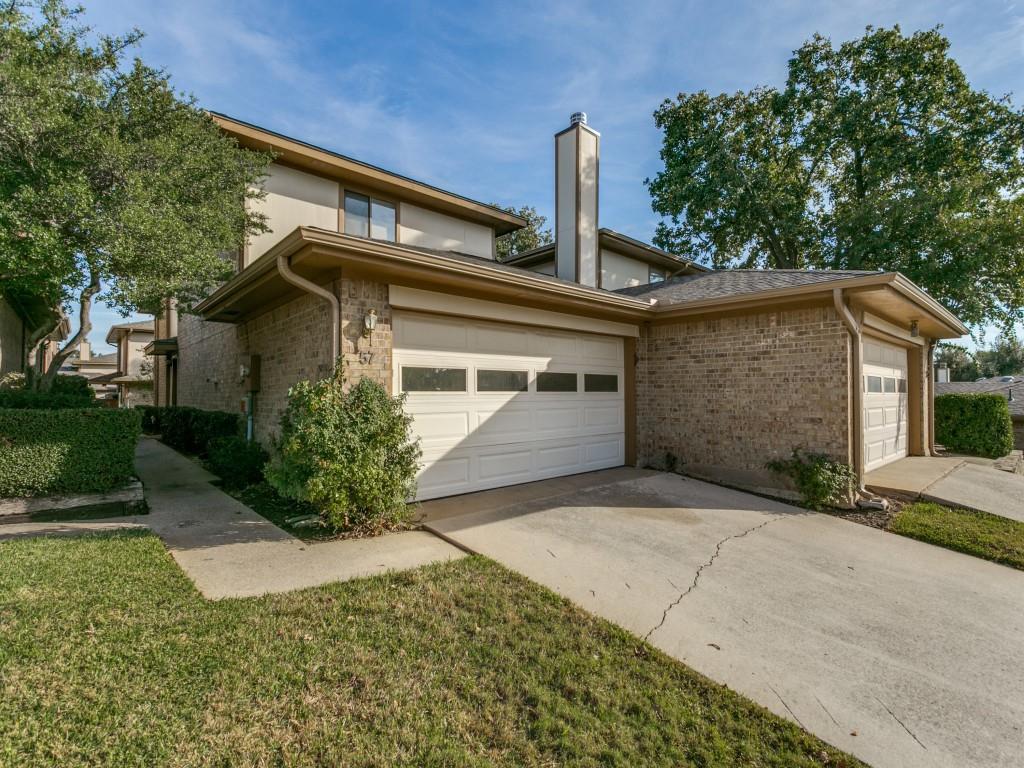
(905, 654)
(230, 551)
(954, 481)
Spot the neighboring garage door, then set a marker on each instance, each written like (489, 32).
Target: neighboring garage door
(497, 404)
(885, 403)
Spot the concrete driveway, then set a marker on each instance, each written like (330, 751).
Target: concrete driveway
(902, 653)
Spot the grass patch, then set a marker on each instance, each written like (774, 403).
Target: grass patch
(991, 537)
(109, 656)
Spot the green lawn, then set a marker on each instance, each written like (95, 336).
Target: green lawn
(108, 656)
(974, 533)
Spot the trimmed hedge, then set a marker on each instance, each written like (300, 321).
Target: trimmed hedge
(86, 450)
(65, 392)
(191, 430)
(236, 461)
(976, 423)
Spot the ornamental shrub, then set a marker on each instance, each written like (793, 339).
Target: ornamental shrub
(349, 454)
(150, 418)
(50, 451)
(819, 479)
(977, 423)
(236, 461)
(65, 392)
(192, 429)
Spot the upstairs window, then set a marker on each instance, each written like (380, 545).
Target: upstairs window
(369, 217)
(655, 276)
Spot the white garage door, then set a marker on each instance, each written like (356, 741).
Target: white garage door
(497, 404)
(885, 403)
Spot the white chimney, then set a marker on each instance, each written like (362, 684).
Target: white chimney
(84, 350)
(942, 374)
(577, 158)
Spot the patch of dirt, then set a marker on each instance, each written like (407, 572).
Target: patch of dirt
(874, 518)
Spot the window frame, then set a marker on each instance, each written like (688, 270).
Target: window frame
(401, 380)
(476, 381)
(539, 391)
(344, 191)
(615, 376)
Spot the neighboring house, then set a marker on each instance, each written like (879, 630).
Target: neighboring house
(98, 369)
(21, 315)
(164, 351)
(1010, 387)
(133, 377)
(514, 375)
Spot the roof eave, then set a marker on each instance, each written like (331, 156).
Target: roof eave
(322, 242)
(324, 160)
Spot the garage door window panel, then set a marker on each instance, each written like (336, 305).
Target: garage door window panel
(557, 381)
(422, 379)
(493, 380)
(600, 382)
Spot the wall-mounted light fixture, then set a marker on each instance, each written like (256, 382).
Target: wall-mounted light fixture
(369, 322)
(913, 329)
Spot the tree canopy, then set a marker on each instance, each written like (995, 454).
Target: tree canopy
(876, 154)
(533, 235)
(962, 364)
(109, 180)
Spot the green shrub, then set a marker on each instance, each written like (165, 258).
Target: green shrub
(977, 423)
(65, 392)
(192, 429)
(150, 418)
(350, 455)
(236, 461)
(819, 479)
(86, 450)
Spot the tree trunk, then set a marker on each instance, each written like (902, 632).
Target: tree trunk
(84, 327)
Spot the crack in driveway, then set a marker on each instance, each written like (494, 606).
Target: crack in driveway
(700, 570)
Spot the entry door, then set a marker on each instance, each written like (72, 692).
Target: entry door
(497, 404)
(885, 422)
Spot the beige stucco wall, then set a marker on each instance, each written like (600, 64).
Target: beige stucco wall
(11, 352)
(293, 342)
(430, 229)
(618, 271)
(727, 394)
(294, 199)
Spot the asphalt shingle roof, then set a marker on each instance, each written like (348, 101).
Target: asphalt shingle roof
(988, 385)
(734, 282)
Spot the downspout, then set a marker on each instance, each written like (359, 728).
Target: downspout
(284, 267)
(857, 385)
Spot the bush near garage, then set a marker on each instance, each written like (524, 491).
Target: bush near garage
(46, 451)
(350, 454)
(192, 430)
(976, 423)
(819, 479)
(65, 392)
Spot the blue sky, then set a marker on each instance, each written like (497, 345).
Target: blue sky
(467, 96)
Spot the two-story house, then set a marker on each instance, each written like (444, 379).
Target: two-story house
(134, 376)
(596, 351)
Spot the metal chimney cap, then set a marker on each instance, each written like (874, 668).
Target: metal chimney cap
(578, 118)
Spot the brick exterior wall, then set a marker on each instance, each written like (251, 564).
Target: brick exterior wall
(727, 394)
(293, 342)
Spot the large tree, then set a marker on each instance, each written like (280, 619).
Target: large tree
(113, 186)
(534, 234)
(1004, 358)
(877, 154)
(962, 365)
